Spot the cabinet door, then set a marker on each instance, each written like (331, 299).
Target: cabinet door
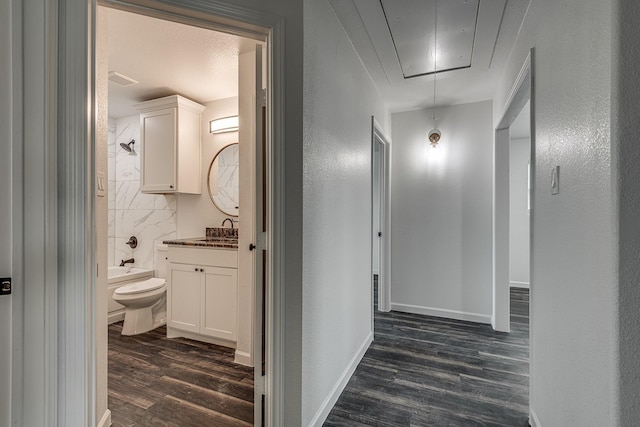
(219, 303)
(183, 298)
(158, 163)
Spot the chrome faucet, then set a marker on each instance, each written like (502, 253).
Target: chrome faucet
(228, 219)
(127, 261)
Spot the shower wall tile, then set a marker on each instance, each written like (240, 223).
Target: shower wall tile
(165, 201)
(126, 167)
(111, 194)
(122, 250)
(124, 223)
(155, 224)
(111, 223)
(149, 217)
(110, 251)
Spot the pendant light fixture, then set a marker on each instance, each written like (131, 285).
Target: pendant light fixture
(434, 134)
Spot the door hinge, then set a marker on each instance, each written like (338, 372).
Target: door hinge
(261, 385)
(263, 97)
(261, 241)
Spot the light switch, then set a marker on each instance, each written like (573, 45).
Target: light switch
(555, 180)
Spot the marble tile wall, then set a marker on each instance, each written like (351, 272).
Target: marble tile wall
(149, 217)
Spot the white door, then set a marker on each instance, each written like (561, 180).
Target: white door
(184, 288)
(218, 314)
(5, 211)
(260, 245)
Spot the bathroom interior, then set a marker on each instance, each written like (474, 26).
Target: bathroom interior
(178, 170)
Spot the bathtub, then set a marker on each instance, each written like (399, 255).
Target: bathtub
(120, 276)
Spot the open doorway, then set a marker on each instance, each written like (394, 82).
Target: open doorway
(519, 117)
(181, 212)
(380, 230)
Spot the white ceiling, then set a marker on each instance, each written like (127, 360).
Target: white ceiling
(168, 58)
(498, 23)
(414, 37)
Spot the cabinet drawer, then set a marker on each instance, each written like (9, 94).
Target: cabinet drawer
(204, 256)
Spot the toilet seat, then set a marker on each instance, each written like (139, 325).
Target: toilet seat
(140, 287)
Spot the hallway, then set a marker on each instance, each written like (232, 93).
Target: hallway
(428, 371)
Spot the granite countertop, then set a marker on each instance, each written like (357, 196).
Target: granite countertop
(215, 242)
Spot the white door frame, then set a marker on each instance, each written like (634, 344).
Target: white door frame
(521, 92)
(384, 275)
(55, 363)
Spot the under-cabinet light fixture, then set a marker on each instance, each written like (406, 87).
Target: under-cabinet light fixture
(224, 124)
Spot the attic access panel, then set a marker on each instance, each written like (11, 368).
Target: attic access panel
(412, 25)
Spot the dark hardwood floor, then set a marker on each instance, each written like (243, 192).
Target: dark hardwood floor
(428, 371)
(155, 381)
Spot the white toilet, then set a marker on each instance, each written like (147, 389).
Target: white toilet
(145, 305)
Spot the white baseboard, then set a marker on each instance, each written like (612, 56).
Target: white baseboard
(243, 358)
(337, 389)
(116, 317)
(533, 419)
(439, 312)
(105, 421)
(523, 285)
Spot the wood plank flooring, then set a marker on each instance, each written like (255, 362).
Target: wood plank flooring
(428, 371)
(155, 381)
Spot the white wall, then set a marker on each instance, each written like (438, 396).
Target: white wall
(339, 101)
(5, 210)
(574, 289)
(441, 213)
(519, 155)
(196, 212)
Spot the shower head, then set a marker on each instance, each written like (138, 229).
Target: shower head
(128, 147)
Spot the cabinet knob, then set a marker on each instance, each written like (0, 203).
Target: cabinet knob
(196, 269)
(202, 270)
(252, 247)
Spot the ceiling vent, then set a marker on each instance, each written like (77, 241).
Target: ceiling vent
(121, 79)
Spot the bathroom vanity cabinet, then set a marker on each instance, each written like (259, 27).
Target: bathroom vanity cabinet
(170, 139)
(202, 293)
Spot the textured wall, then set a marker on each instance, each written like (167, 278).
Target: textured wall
(574, 350)
(441, 213)
(339, 101)
(519, 154)
(625, 132)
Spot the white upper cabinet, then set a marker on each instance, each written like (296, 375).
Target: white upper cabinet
(170, 131)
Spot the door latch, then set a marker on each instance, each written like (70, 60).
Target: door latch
(5, 286)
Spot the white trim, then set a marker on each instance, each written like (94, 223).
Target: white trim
(534, 421)
(275, 298)
(384, 273)
(441, 312)
(521, 92)
(105, 421)
(243, 358)
(522, 285)
(336, 391)
(18, 308)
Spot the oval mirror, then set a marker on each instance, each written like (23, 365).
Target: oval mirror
(223, 180)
